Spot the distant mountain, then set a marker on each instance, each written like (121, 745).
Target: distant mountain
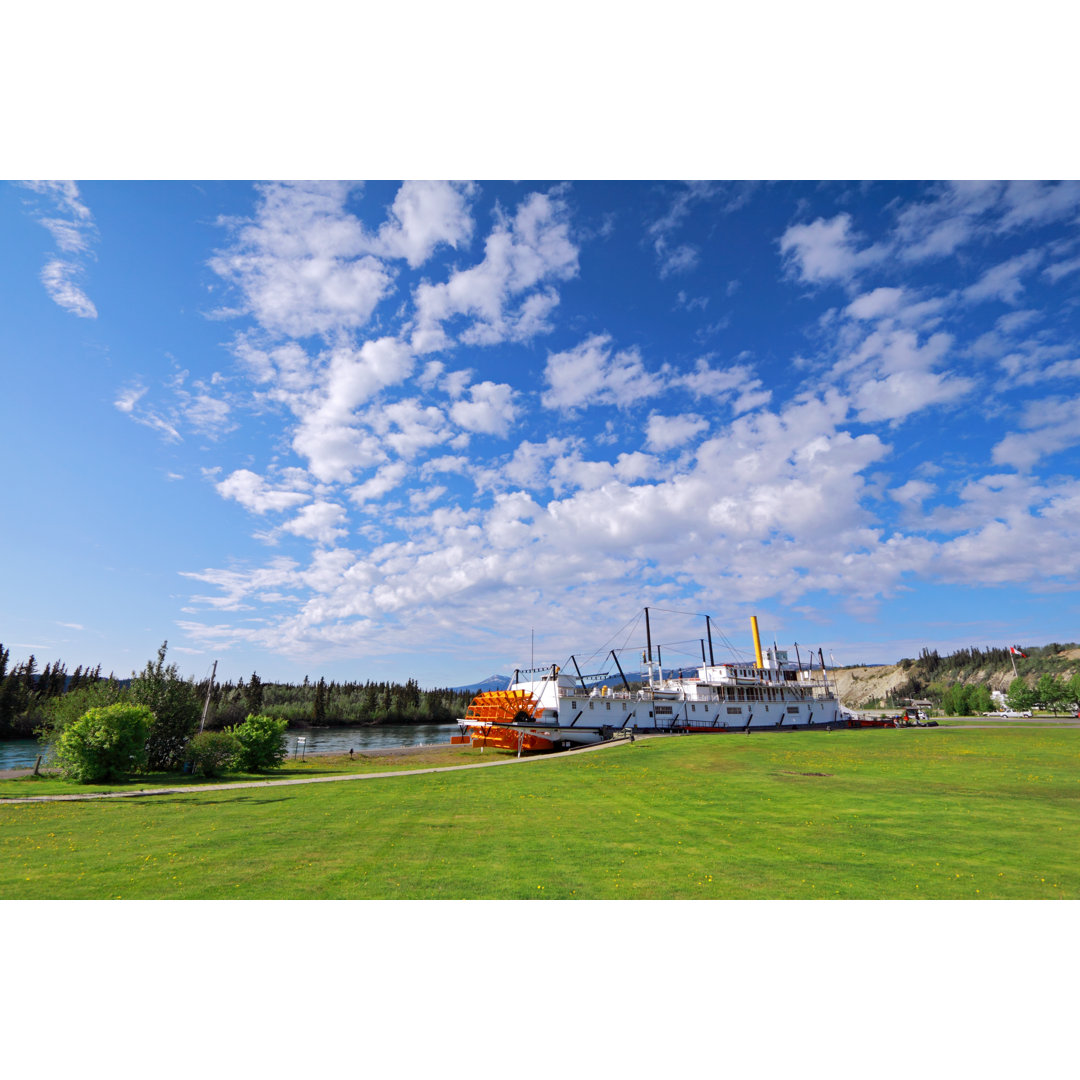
(492, 682)
(501, 682)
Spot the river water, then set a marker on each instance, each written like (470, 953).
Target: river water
(22, 753)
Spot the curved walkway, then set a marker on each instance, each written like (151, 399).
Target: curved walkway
(195, 789)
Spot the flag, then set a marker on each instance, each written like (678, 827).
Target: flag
(1015, 650)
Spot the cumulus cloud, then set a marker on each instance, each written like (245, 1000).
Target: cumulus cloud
(722, 383)
(425, 214)
(385, 480)
(253, 492)
(490, 409)
(528, 252)
(300, 265)
(825, 251)
(592, 373)
(667, 432)
(322, 521)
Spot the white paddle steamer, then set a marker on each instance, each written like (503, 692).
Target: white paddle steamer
(551, 709)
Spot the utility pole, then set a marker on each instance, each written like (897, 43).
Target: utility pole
(206, 705)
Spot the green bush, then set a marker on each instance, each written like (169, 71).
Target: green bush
(262, 743)
(211, 752)
(106, 743)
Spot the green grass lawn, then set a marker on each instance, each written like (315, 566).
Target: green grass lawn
(935, 813)
(318, 765)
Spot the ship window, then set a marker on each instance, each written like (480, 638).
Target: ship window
(793, 708)
(591, 704)
(736, 709)
(609, 706)
(693, 708)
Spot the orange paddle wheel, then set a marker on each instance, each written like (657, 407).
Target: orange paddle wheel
(490, 711)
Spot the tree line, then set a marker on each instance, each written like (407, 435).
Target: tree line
(38, 703)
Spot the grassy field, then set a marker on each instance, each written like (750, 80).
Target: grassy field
(935, 813)
(318, 765)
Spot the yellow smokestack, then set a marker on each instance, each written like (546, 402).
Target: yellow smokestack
(757, 641)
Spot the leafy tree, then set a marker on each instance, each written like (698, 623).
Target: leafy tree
(262, 743)
(104, 744)
(980, 700)
(176, 708)
(956, 701)
(1074, 691)
(318, 709)
(1051, 692)
(1020, 695)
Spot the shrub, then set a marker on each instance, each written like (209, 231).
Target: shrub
(262, 743)
(106, 743)
(211, 752)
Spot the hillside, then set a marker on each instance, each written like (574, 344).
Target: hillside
(890, 684)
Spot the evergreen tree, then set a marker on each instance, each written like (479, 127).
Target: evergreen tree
(254, 695)
(176, 707)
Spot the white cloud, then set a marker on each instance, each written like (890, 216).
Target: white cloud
(490, 409)
(208, 415)
(680, 260)
(408, 427)
(63, 192)
(426, 214)
(1056, 271)
(56, 277)
(912, 494)
(72, 235)
(902, 393)
(323, 522)
(129, 398)
(592, 374)
(253, 492)
(722, 383)
(1053, 425)
(667, 432)
(955, 214)
(826, 251)
(524, 253)
(67, 235)
(876, 304)
(1034, 202)
(385, 480)
(333, 437)
(300, 264)
(1002, 282)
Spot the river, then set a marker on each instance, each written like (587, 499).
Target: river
(22, 753)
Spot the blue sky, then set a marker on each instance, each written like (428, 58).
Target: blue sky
(386, 430)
